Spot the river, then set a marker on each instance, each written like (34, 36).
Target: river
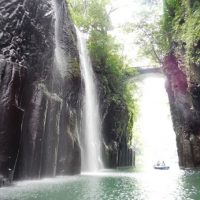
(126, 184)
(140, 183)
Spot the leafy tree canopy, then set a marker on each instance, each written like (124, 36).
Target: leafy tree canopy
(90, 14)
(148, 34)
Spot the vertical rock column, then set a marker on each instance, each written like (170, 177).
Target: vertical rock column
(11, 84)
(117, 152)
(185, 116)
(39, 105)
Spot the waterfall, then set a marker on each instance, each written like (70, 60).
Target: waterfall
(60, 57)
(91, 140)
(154, 123)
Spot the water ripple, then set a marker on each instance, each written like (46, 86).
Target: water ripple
(155, 185)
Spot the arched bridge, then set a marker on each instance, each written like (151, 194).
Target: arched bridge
(144, 70)
(148, 70)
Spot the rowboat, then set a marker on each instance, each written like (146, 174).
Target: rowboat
(164, 167)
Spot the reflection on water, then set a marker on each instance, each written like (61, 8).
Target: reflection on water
(111, 185)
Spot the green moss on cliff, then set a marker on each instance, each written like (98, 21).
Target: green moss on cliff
(182, 25)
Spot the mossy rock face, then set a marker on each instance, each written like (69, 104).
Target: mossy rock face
(182, 26)
(115, 123)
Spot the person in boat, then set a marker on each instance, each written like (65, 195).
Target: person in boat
(158, 163)
(163, 164)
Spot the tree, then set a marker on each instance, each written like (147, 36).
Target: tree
(90, 14)
(149, 35)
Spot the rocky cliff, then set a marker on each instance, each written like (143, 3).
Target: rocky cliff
(39, 104)
(115, 121)
(184, 95)
(182, 69)
(117, 151)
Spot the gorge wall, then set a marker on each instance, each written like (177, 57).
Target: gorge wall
(116, 136)
(182, 69)
(117, 151)
(41, 94)
(39, 106)
(184, 95)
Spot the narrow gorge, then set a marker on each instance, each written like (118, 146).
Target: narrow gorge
(63, 111)
(42, 95)
(99, 99)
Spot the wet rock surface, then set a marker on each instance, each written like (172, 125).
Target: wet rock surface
(117, 152)
(39, 106)
(116, 149)
(183, 90)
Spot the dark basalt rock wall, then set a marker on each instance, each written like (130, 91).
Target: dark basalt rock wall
(182, 68)
(11, 82)
(117, 152)
(184, 96)
(116, 149)
(39, 106)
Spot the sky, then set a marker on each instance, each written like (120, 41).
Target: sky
(125, 11)
(128, 10)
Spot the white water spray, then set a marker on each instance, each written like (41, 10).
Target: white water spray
(91, 152)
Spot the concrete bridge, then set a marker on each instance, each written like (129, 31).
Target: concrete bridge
(140, 71)
(148, 70)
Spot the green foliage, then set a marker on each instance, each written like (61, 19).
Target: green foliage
(112, 69)
(132, 106)
(166, 22)
(90, 14)
(179, 28)
(148, 34)
(182, 24)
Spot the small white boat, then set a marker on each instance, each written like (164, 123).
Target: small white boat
(161, 165)
(164, 167)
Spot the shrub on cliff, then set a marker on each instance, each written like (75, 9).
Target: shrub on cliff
(182, 25)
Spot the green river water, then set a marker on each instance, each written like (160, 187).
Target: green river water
(126, 184)
(173, 184)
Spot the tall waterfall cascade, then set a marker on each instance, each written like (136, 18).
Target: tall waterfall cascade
(60, 57)
(91, 140)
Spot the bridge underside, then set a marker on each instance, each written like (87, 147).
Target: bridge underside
(149, 70)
